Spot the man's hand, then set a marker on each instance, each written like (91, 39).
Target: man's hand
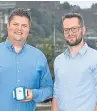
(29, 96)
(95, 108)
(54, 105)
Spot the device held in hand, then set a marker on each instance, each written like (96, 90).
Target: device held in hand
(20, 93)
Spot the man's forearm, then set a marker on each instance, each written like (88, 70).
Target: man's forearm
(54, 105)
(95, 108)
(41, 94)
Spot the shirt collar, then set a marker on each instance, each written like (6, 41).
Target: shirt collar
(81, 52)
(83, 49)
(10, 46)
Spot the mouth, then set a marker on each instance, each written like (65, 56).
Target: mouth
(18, 33)
(71, 37)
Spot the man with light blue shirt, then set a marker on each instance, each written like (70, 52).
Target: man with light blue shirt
(22, 65)
(75, 70)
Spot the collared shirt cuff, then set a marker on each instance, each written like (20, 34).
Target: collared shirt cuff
(34, 92)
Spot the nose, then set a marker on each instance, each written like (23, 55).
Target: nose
(70, 32)
(19, 27)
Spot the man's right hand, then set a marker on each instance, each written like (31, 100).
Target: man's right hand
(54, 105)
(95, 108)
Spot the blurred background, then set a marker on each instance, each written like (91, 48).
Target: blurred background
(46, 31)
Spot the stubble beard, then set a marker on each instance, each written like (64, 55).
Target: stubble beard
(78, 41)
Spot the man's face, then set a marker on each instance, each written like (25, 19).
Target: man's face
(73, 32)
(18, 28)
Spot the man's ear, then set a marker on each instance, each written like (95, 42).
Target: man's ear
(8, 25)
(84, 30)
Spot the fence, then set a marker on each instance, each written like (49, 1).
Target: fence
(43, 107)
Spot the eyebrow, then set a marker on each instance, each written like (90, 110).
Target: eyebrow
(18, 23)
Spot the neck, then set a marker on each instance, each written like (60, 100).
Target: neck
(75, 49)
(18, 45)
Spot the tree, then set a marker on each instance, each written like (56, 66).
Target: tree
(37, 29)
(48, 50)
(92, 43)
(66, 6)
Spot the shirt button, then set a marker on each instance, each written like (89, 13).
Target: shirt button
(66, 105)
(18, 71)
(18, 62)
(18, 80)
(68, 82)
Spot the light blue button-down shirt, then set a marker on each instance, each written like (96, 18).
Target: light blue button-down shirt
(28, 68)
(75, 79)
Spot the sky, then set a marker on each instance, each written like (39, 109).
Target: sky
(82, 4)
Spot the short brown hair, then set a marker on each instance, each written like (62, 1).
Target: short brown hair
(71, 15)
(19, 12)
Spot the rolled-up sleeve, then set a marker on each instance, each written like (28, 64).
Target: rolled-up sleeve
(45, 91)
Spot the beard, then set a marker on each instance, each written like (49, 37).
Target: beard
(78, 41)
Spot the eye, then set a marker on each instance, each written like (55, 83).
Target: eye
(24, 26)
(66, 29)
(74, 28)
